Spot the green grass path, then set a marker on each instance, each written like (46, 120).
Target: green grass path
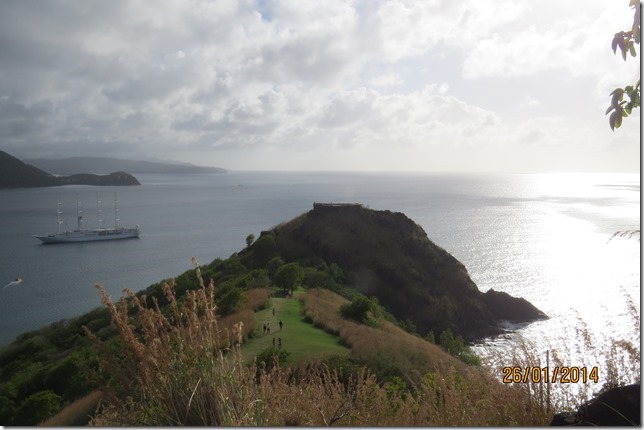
(299, 338)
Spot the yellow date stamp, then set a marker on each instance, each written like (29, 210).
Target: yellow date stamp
(557, 374)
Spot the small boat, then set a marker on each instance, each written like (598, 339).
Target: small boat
(16, 282)
(90, 235)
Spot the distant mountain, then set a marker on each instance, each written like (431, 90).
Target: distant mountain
(17, 174)
(101, 165)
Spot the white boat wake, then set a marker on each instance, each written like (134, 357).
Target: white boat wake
(12, 283)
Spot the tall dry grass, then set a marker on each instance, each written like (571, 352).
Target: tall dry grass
(444, 391)
(384, 342)
(181, 367)
(257, 299)
(165, 360)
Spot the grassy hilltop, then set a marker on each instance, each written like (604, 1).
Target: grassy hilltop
(373, 334)
(386, 255)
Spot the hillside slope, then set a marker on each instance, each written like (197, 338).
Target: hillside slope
(387, 255)
(14, 173)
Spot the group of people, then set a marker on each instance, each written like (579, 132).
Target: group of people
(267, 330)
(267, 327)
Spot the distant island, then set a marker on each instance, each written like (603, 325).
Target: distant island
(15, 173)
(102, 165)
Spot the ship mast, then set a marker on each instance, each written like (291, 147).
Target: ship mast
(98, 212)
(116, 210)
(79, 212)
(59, 212)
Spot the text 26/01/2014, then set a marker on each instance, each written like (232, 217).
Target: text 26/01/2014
(563, 375)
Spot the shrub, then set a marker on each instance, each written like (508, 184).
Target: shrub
(270, 357)
(456, 347)
(359, 308)
(408, 325)
(229, 299)
(430, 337)
(38, 407)
(79, 413)
(250, 239)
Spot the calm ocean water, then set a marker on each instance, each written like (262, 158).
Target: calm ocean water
(544, 237)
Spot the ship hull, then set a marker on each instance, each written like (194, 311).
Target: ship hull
(90, 235)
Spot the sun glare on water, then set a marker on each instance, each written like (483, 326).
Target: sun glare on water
(585, 275)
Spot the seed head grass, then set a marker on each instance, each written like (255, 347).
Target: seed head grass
(183, 365)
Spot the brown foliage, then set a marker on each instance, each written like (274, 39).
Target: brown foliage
(256, 299)
(183, 367)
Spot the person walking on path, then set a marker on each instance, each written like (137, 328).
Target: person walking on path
(273, 342)
(273, 311)
(281, 324)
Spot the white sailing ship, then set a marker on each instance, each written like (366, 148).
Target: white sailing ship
(89, 235)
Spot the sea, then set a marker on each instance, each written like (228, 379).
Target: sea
(567, 242)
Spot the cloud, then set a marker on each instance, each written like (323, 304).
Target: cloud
(568, 37)
(388, 79)
(529, 102)
(200, 80)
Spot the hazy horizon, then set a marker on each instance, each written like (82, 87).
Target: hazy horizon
(348, 85)
(331, 170)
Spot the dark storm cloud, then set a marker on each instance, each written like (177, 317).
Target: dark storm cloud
(186, 78)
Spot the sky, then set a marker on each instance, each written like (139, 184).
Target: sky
(357, 85)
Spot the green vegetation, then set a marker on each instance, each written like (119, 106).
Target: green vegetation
(456, 347)
(187, 352)
(301, 339)
(176, 368)
(170, 354)
(289, 276)
(250, 239)
(47, 369)
(360, 308)
(271, 356)
(626, 40)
